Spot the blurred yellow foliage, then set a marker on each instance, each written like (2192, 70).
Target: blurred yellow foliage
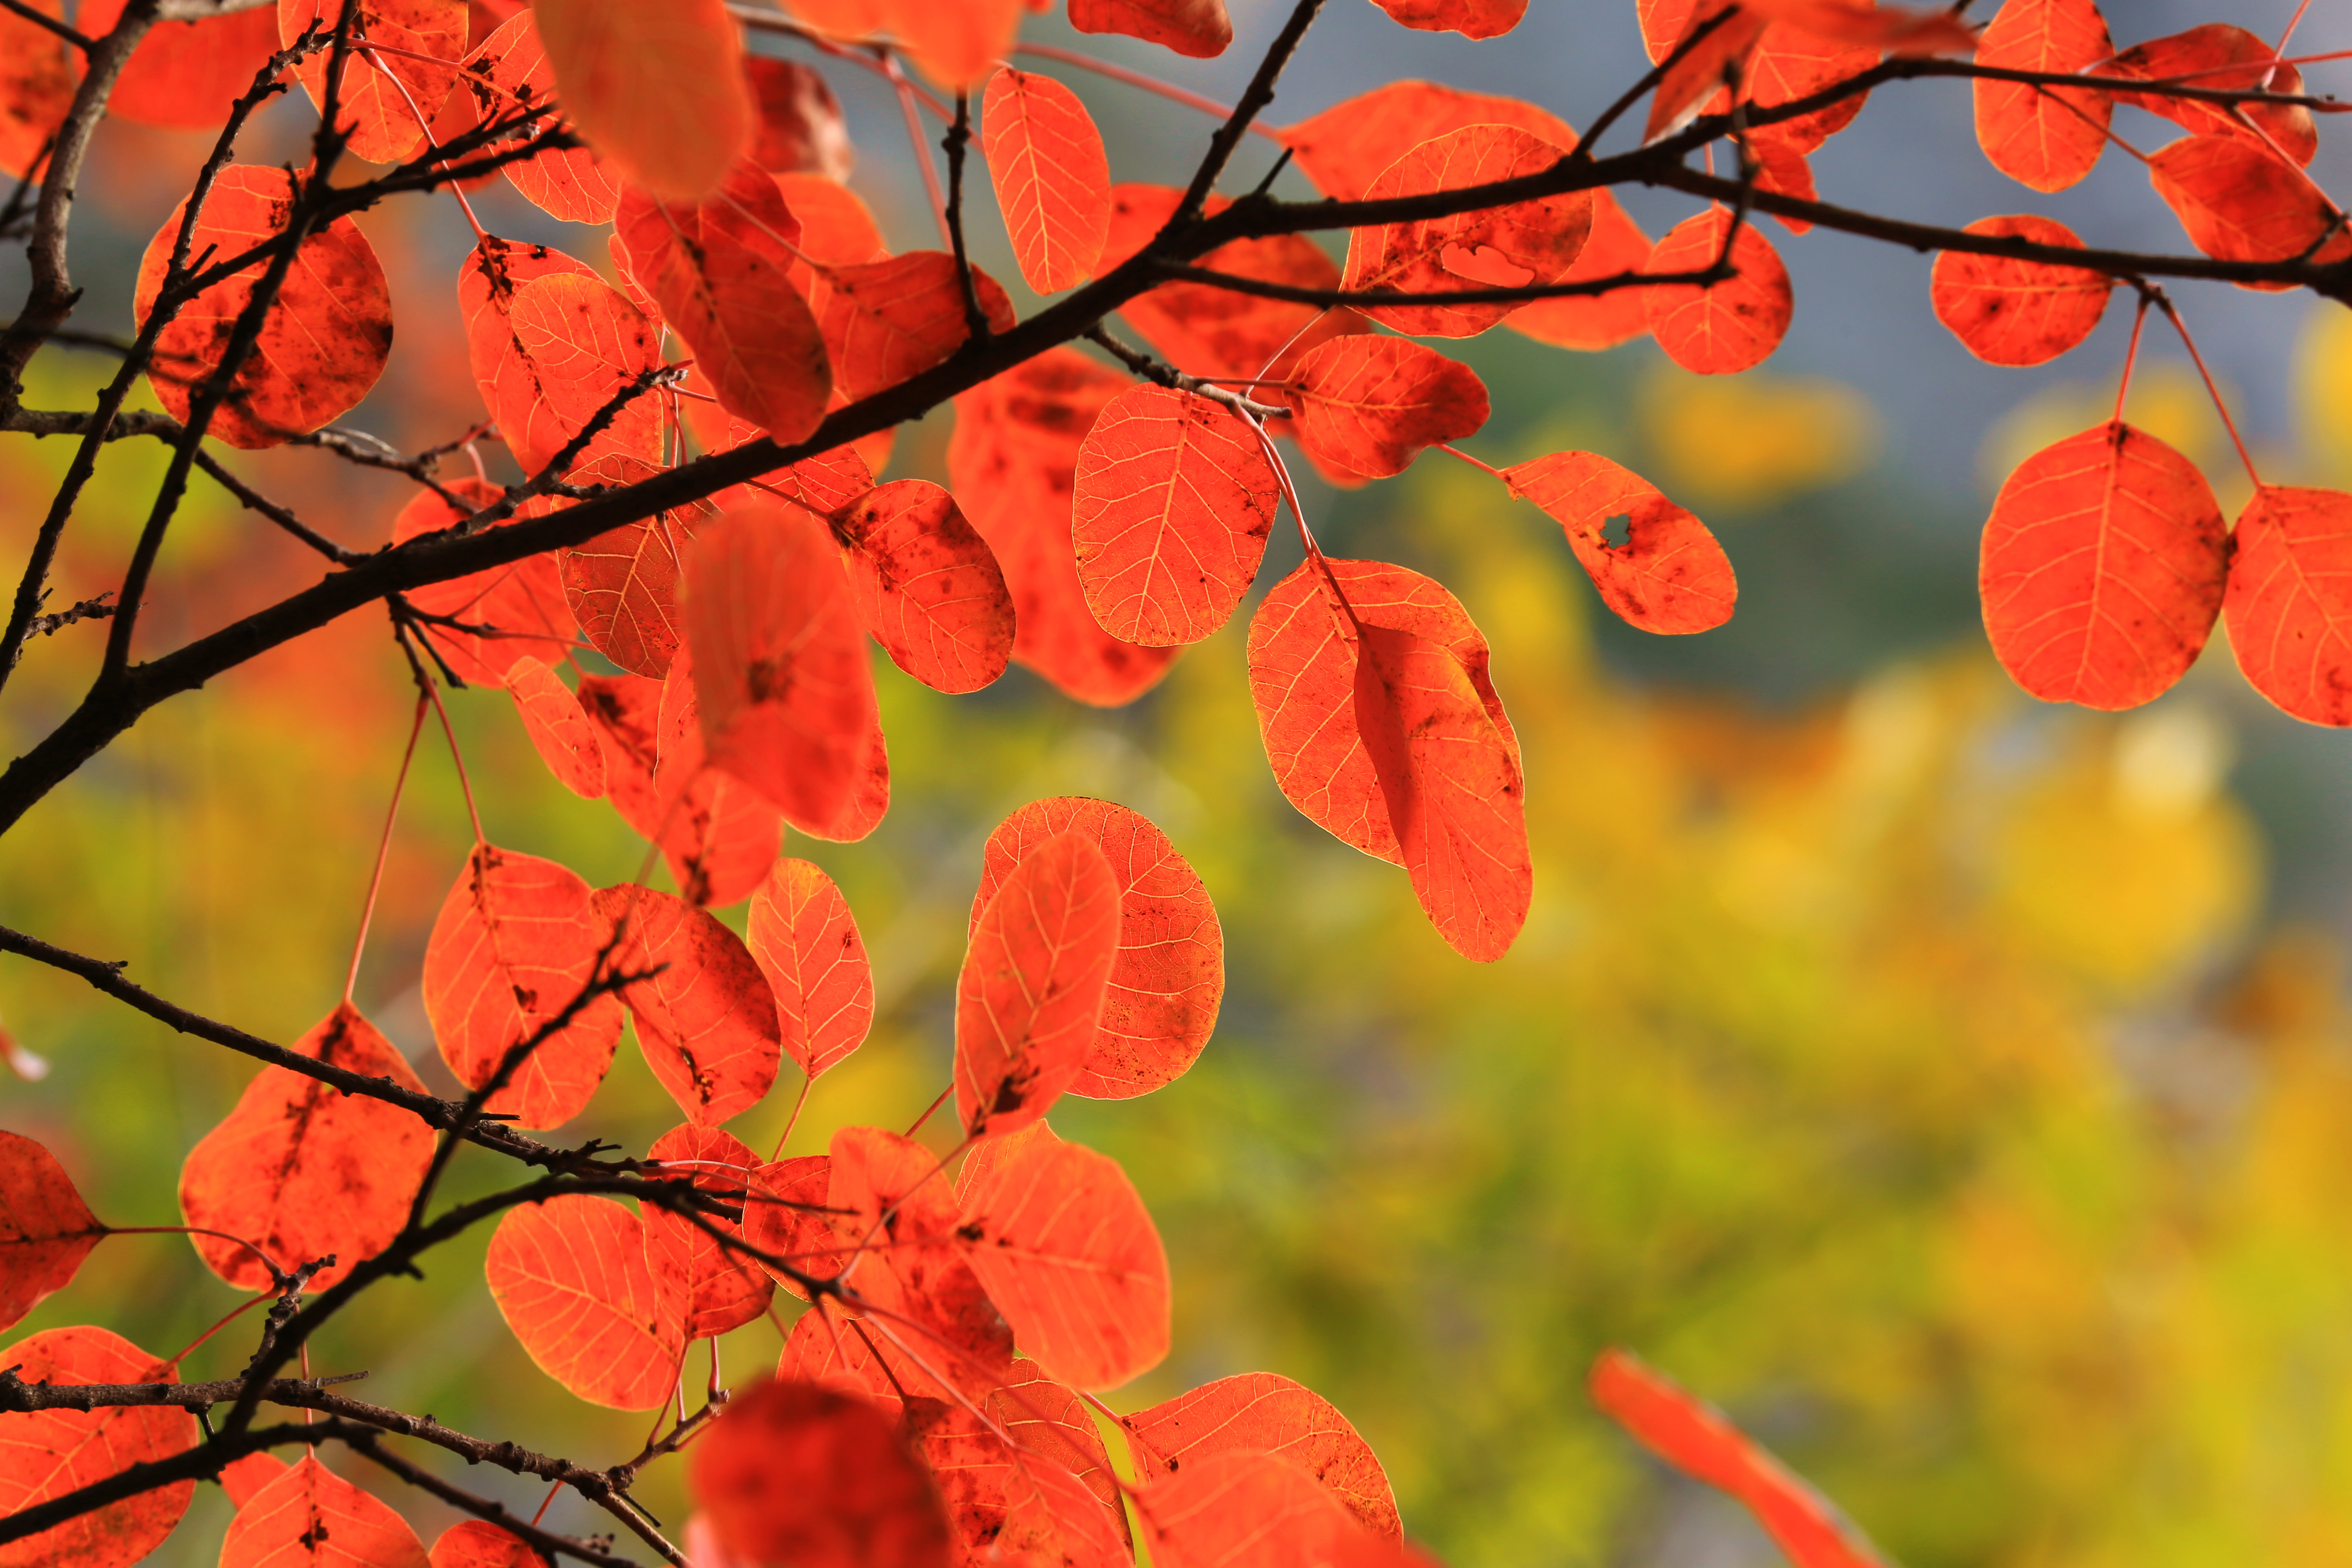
(2323, 365)
(1751, 441)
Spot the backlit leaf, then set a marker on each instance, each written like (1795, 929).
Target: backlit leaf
(1029, 1000)
(1790, 64)
(2201, 54)
(783, 1213)
(956, 45)
(506, 372)
(569, 1276)
(324, 340)
(2102, 569)
(1011, 1503)
(804, 937)
(800, 128)
(1669, 574)
(2044, 138)
(1067, 1252)
(1350, 144)
(780, 668)
(513, 948)
(46, 1230)
(559, 730)
(585, 345)
(706, 1022)
(1697, 1440)
(1242, 1510)
(508, 72)
(657, 90)
(1196, 27)
(832, 1349)
(1260, 1411)
(303, 1170)
(1371, 404)
(478, 1543)
(39, 72)
(1783, 171)
(717, 833)
(1052, 176)
(926, 585)
(2241, 202)
(184, 76)
(2289, 602)
(1471, 18)
(241, 1479)
(887, 320)
(1733, 326)
(2018, 313)
(386, 100)
(706, 1287)
(312, 1517)
(1174, 502)
(1526, 242)
(1168, 976)
(46, 1454)
(869, 798)
(523, 600)
(622, 585)
(794, 1473)
(1723, 53)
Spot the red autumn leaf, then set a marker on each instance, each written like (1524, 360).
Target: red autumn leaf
(1526, 242)
(39, 72)
(1242, 1510)
(1348, 147)
(559, 729)
(184, 76)
(2102, 569)
(585, 345)
(1471, 18)
(1783, 171)
(804, 937)
(779, 671)
(46, 1230)
(1199, 28)
(1669, 576)
(705, 1021)
(2289, 602)
(1736, 324)
(1168, 978)
(1066, 1249)
(478, 1543)
(1697, 1440)
(1260, 1411)
(887, 320)
(323, 340)
(47, 1453)
(657, 90)
(925, 585)
(2201, 54)
(800, 129)
(509, 73)
(717, 833)
(386, 98)
(570, 1277)
(1723, 53)
(241, 1479)
(2241, 202)
(523, 600)
(503, 370)
(312, 1517)
(720, 271)
(1618, 247)
(1029, 1000)
(1174, 500)
(1009, 1502)
(784, 1214)
(1014, 460)
(869, 801)
(1055, 1424)
(1052, 176)
(303, 1170)
(512, 950)
(2044, 138)
(1371, 403)
(1790, 64)
(957, 45)
(2018, 313)
(794, 1473)
(706, 1287)
(832, 1350)
(622, 585)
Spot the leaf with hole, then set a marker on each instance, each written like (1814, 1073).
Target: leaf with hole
(1668, 575)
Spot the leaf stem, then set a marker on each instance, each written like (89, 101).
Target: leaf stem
(2164, 303)
(382, 850)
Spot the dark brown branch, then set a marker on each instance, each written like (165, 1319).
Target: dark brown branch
(96, 609)
(254, 500)
(549, 1544)
(958, 141)
(372, 452)
(1253, 102)
(18, 1397)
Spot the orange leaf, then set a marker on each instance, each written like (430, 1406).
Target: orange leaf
(1733, 326)
(1174, 502)
(1348, 147)
(2018, 313)
(303, 1170)
(829, 1348)
(1242, 1510)
(1199, 28)
(310, 1518)
(47, 1453)
(1260, 1412)
(2102, 569)
(241, 1479)
(794, 1473)
(566, 742)
(1526, 242)
(509, 71)
(585, 345)
(1052, 176)
(657, 90)
(887, 320)
(1029, 1000)
(1669, 576)
(478, 1543)
(38, 73)
(523, 600)
(800, 124)
(46, 1230)
(1697, 1440)
(1722, 53)
(2044, 138)
(1168, 978)
(706, 1022)
(706, 1287)
(783, 1213)
(513, 948)
(1066, 1249)
(2289, 612)
(623, 585)
(779, 670)
(1370, 405)
(869, 801)
(804, 937)
(385, 101)
(1618, 246)
(719, 834)
(323, 340)
(503, 369)
(926, 585)
(570, 1277)
(2201, 53)
(1790, 64)
(1784, 171)
(1014, 1502)
(2241, 202)
(955, 44)
(720, 271)
(1014, 460)
(184, 76)
(1471, 18)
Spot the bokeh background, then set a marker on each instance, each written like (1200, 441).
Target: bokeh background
(1957, 1090)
